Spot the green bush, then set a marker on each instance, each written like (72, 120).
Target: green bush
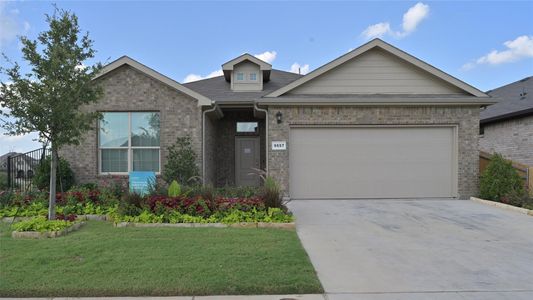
(174, 189)
(499, 179)
(181, 162)
(131, 204)
(238, 191)
(65, 176)
(41, 224)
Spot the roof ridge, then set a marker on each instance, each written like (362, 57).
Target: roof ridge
(516, 81)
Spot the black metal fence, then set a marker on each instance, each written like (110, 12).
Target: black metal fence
(21, 168)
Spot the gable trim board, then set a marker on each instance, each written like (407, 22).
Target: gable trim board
(125, 60)
(377, 43)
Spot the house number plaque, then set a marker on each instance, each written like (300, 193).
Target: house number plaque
(279, 145)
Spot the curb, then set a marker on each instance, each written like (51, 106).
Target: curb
(508, 207)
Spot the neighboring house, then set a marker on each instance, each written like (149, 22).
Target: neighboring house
(373, 123)
(507, 126)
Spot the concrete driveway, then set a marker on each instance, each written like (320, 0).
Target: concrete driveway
(417, 249)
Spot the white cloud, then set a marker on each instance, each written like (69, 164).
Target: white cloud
(414, 16)
(377, 30)
(517, 49)
(10, 25)
(267, 56)
(196, 77)
(411, 20)
(299, 69)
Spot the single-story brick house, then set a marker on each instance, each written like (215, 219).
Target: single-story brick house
(373, 123)
(507, 126)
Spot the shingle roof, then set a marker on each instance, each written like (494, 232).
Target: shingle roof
(218, 89)
(514, 99)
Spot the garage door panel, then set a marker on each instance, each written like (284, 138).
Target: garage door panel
(379, 162)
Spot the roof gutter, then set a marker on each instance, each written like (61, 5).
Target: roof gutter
(511, 115)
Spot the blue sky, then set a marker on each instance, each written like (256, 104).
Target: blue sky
(486, 44)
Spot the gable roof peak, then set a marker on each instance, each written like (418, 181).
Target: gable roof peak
(228, 67)
(389, 49)
(126, 60)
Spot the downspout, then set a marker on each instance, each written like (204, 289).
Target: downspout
(203, 138)
(266, 135)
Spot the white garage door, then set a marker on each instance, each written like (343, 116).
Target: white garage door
(372, 162)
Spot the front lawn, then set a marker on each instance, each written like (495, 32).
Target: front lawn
(101, 260)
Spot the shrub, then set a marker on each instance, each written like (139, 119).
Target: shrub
(65, 176)
(518, 198)
(174, 190)
(499, 179)
(131, 204)
(272, 193)
(238, 191)
(181, 162)
(41, 224)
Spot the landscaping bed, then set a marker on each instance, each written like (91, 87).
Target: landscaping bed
(101, 260)
(40, 227)
(173, 205)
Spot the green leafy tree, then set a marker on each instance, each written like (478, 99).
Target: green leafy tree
(181, 162)
(50, 97)
(499, 179)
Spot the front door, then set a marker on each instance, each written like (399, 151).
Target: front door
(246, 160)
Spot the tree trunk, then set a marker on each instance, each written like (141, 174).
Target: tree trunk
(53, 170)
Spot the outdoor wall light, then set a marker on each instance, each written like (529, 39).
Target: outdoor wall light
(278, 117)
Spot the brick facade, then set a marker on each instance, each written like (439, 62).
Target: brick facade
(126, 89)
(466, 118)
(512, 138)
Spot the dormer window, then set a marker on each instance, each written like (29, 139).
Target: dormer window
(246, 73)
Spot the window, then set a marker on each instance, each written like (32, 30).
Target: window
(253, 76)
(240, 76)
(246, 127)
(129, 141)
(481, 130)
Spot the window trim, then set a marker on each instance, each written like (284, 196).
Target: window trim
(250, 76)
(129, 148)
(237, 76)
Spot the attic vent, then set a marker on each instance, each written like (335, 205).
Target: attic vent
(523, 94)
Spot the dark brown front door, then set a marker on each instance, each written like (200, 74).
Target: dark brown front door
(246, 160)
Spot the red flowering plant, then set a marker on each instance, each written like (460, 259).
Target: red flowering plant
(67, 217)
(244, 204)
(194, 206)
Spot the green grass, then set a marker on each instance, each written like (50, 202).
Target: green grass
(100, 260)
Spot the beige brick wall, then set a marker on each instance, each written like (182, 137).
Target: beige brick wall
(126, 89)
(466, 118)
(512, 138)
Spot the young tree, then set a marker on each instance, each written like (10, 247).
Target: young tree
(49, 98)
